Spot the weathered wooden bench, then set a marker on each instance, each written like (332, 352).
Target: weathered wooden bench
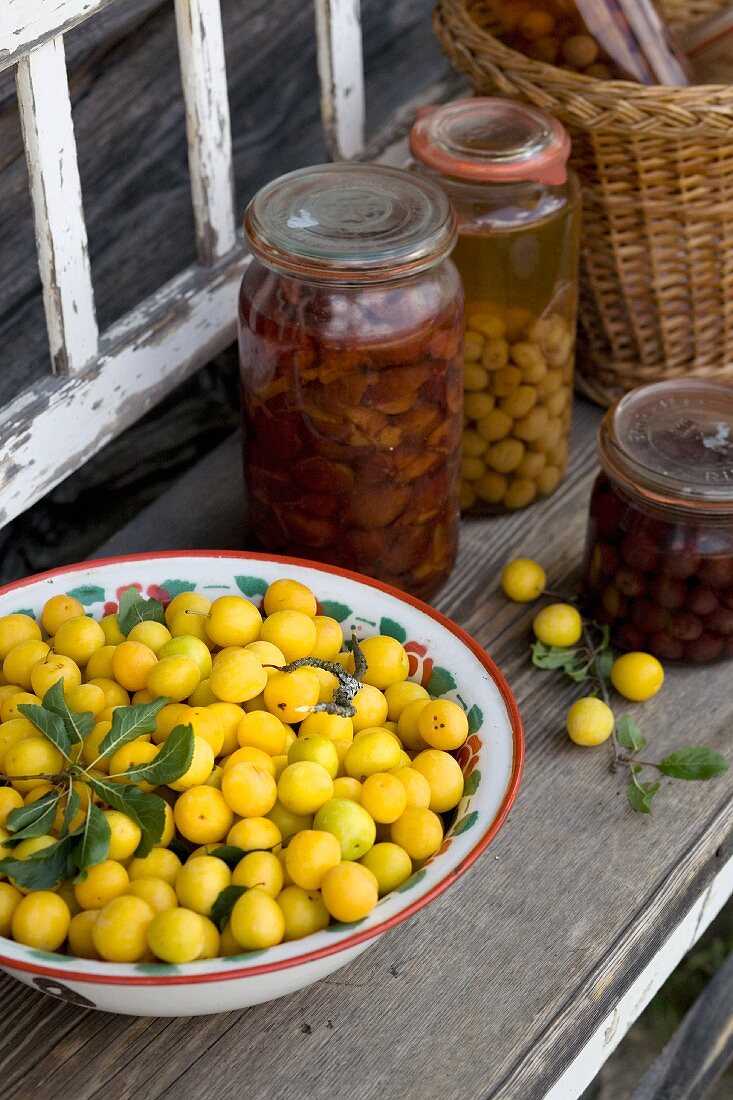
(519, 981)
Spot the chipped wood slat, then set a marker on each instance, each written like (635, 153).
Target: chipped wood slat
(50, 148)
(203, 69)
(27, 23)
(632, 1002)
(143, 357)
(700, 1049)
(341, 72)
(61, 236)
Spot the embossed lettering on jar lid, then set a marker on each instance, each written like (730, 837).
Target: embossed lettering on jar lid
(492, 140)
(346, 222)
(674, 441)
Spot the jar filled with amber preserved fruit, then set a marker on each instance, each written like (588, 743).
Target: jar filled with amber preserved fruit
(504, 167)
(350, 328)
(659, 555)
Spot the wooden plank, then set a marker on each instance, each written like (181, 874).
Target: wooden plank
(497, 987)
(27, 23)
(699, 1051)
(341, 71)
(203, 69)
(61, 238)
(141, 358)
(611, 1031)
(216, 479)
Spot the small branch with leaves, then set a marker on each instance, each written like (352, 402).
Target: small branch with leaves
(76, 850)
(591, 663)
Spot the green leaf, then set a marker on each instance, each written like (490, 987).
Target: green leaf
(552, 656)
(232, 855)
(25, 611)
(465, 823)
(629, 735)
(88, 594)
(251, 586)
(35, 819)
(43, 869)
(475, 718)
(337, 611)
(50, 725)
(441, 682)
(604, 663)
(472, 783)
(135, 609)
(147, 810)
(578, 674)
(128, 723)
(221, 910)
(694, 762)
(95, 839)
(175, 587)
(179, 849)
(78, 726)
(70, 810)
(173, 759)
(393, 630)
(640, 796)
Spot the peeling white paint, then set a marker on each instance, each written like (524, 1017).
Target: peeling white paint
(50, 431)
(203, 71)
(341, 71)
(611, 1031)
(28, 23)
(61, 236)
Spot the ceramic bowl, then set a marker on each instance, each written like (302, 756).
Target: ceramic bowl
(442, 657)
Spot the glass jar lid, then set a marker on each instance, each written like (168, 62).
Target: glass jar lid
(347, 222)
(492, 140)
(673, 441)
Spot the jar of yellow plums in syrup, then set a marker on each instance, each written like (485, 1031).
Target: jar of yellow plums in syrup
(504, 167)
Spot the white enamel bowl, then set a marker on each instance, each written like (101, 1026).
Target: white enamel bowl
(442, 657)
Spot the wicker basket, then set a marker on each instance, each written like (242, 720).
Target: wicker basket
(656, 165)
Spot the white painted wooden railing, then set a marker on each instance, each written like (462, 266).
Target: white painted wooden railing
(100, 383)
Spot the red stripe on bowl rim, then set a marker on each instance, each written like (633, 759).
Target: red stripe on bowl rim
(368, 933)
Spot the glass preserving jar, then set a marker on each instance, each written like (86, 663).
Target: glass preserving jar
(504, 167)
(605, 39)
(350, 328)
(659, 554)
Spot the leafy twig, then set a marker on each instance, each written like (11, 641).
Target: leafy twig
(592, 661)
(89, 843)
(602, 686)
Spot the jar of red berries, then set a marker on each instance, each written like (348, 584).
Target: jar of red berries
(659, 554)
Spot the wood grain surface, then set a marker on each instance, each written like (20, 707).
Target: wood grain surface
(492, 990)
(130, 128)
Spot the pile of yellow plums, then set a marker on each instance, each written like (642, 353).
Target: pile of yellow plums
(315, 813)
